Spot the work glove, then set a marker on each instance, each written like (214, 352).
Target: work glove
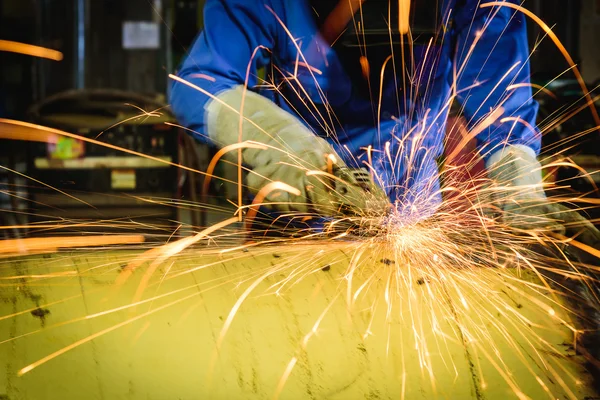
(518, 178)
(292, 155)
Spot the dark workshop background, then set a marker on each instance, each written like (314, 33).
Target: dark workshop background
(89, 34)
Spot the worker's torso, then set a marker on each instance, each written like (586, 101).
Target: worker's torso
(338, 88)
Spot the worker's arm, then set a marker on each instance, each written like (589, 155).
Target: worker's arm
(492, 55)
(235, 43)
(239, 38)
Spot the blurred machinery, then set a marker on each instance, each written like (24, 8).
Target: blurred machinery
(106, 183)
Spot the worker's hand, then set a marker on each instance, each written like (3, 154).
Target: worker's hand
(519, 192)
(296, 168)
(293, 154)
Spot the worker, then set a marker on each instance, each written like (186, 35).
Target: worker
(316, 84)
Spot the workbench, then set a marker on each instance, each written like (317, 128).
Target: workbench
(298, 340)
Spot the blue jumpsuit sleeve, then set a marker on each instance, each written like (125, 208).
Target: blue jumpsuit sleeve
(503, 43)
(221, 55)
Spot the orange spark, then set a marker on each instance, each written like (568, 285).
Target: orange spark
(262, 193)
(203, 76)
(485, 123)
(338, 19)
(576, 243)
(39, 276)
(313, 69)
(520, 120)
(25, 246)
(171, 249)
(30, 50)
(404, 16)
(365, 67)
(533, 85)
(160, 254)
(213, 162)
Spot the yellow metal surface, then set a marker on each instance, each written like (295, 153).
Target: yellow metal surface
(299, 341)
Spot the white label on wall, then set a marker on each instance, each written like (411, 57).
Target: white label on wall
(141, 35)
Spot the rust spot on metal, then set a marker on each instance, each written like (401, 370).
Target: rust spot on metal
(40, 312)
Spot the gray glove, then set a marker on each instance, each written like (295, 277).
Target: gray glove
(292, 151)
(518, 174)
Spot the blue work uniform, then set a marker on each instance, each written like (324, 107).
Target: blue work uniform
(404, 123)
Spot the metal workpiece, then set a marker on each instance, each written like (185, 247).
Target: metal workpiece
(296, 321)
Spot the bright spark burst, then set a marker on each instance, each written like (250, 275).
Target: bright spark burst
(412, 288)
